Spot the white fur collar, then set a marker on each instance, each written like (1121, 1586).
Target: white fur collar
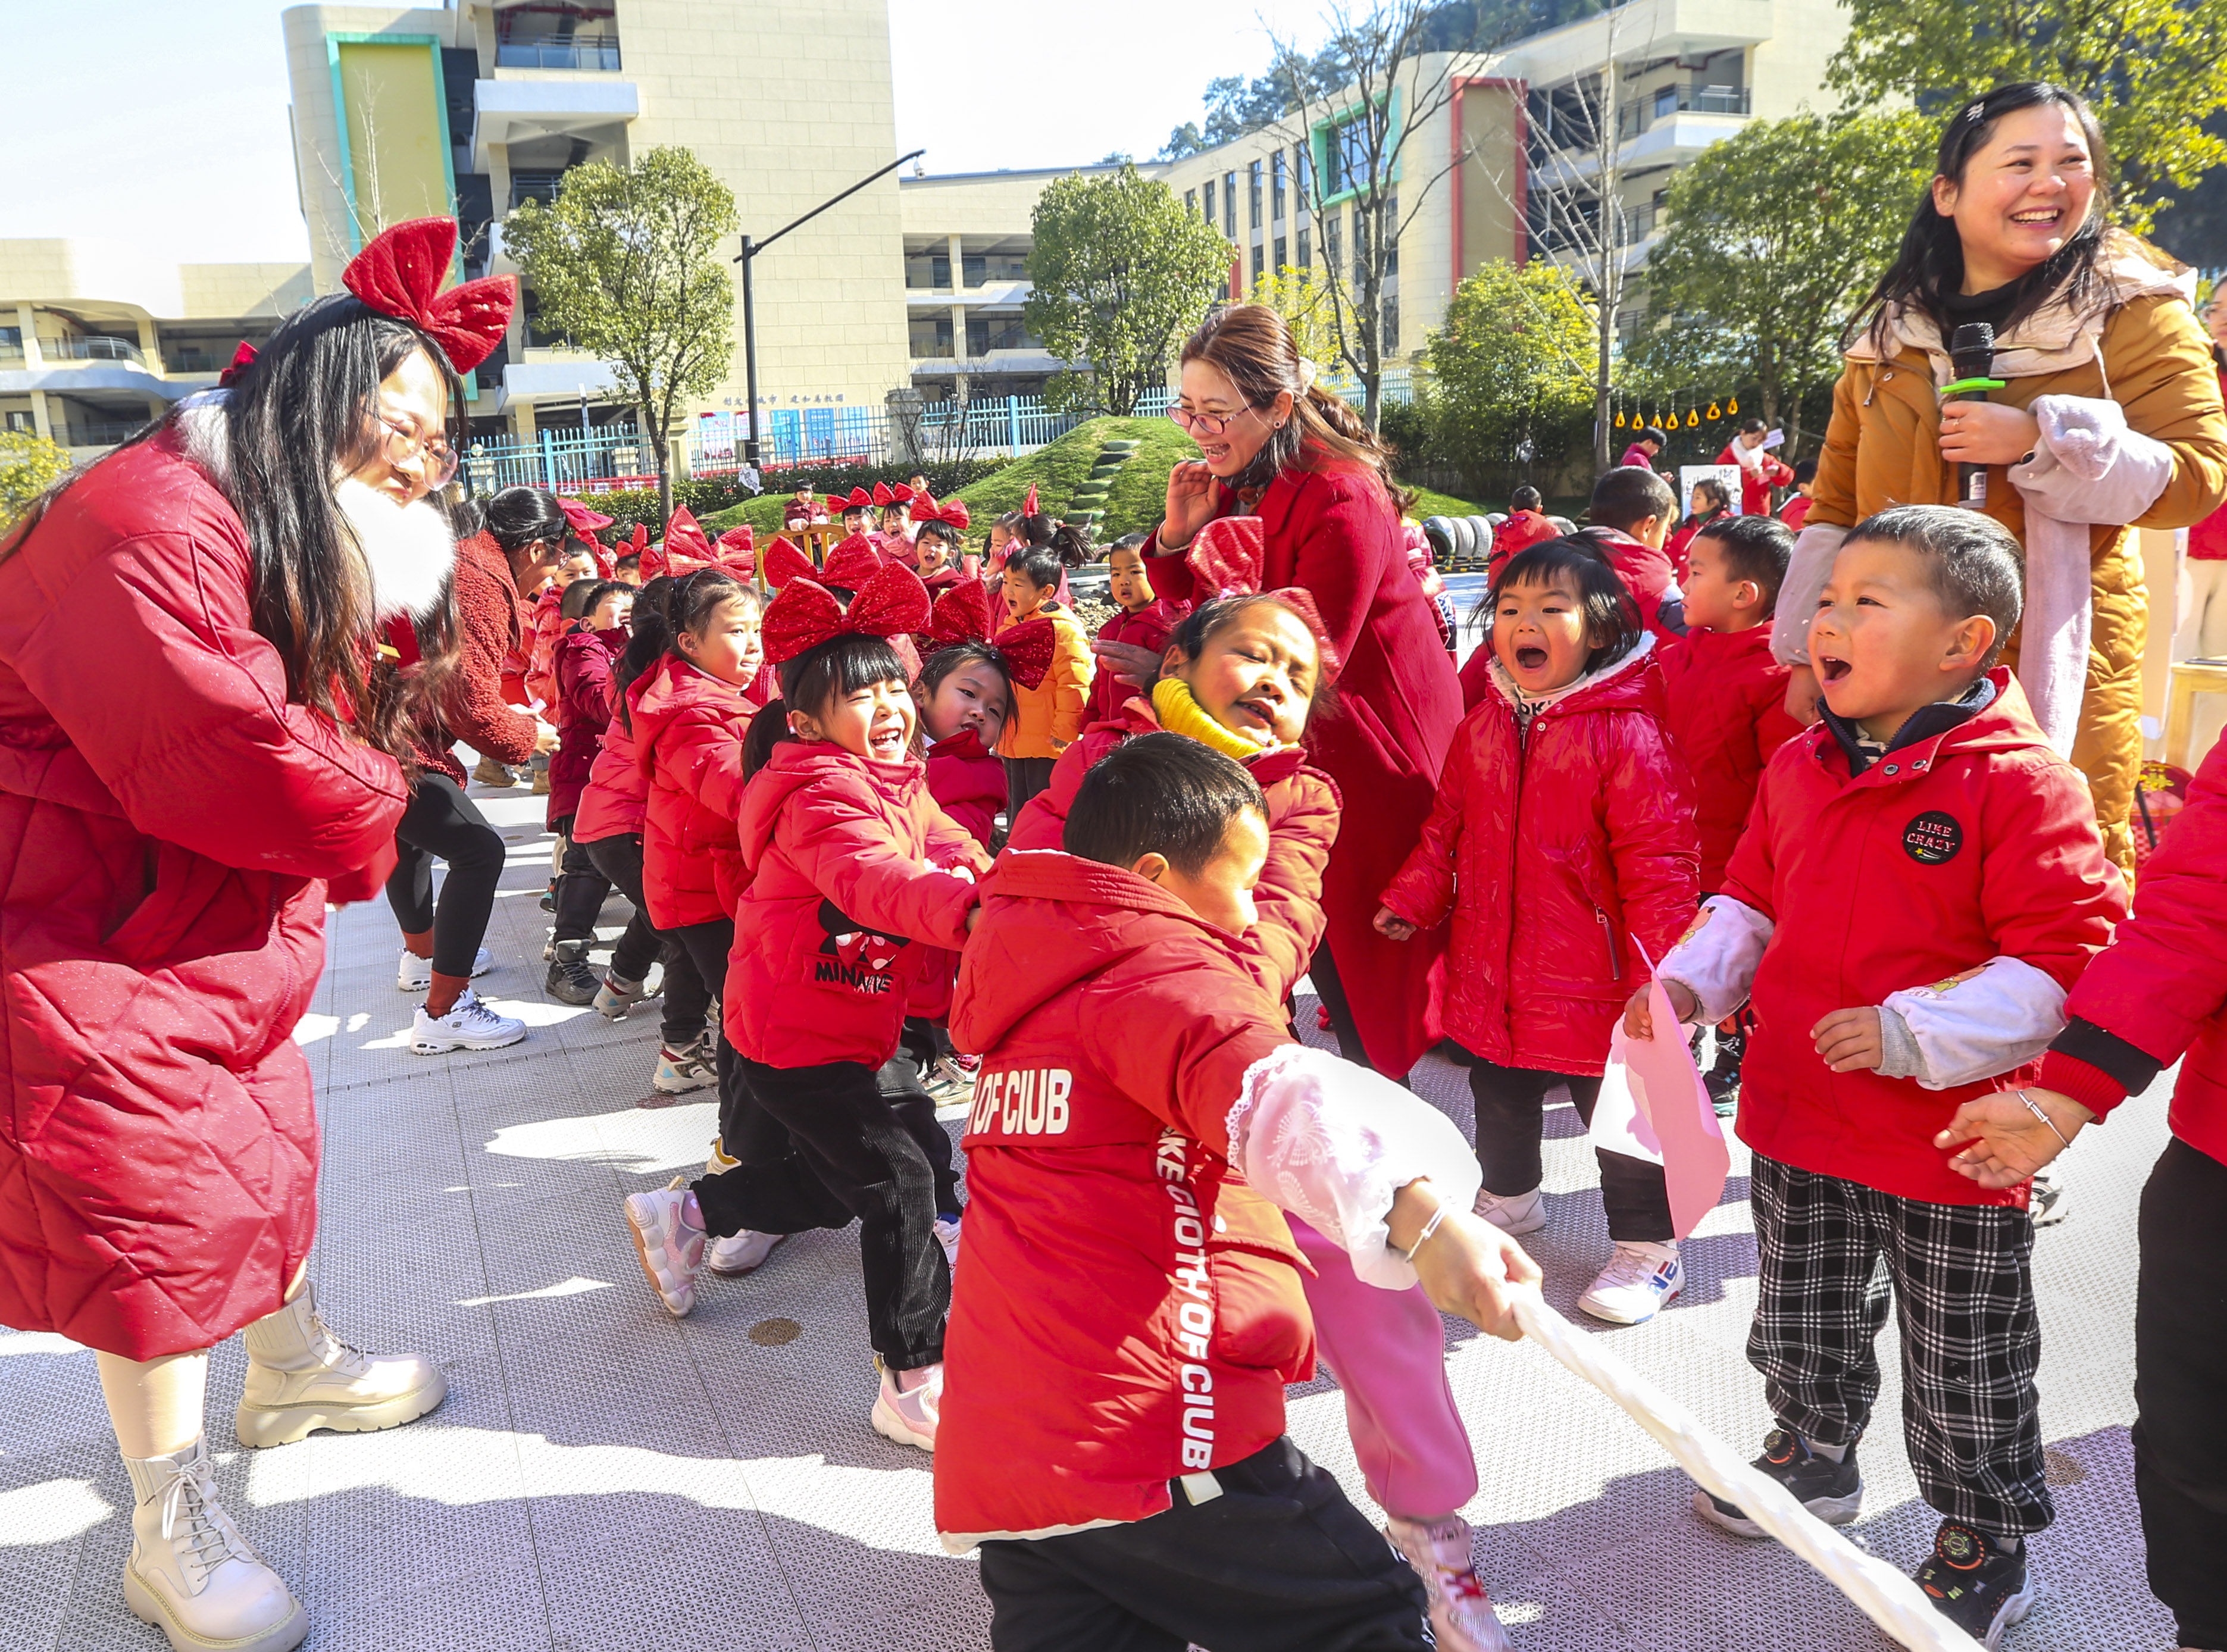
(409, 549)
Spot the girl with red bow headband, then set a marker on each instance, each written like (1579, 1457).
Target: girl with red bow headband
(937, 545)
(1047, 717)
(846, 849)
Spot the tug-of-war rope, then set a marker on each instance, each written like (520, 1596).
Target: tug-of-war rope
(1886, 1596)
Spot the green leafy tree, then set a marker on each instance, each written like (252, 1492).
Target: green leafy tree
(1121, 272)
(29, 465)
(2153, 70)
(1512, 362)
(627, 263)
(1775, 235)
(1303, 298)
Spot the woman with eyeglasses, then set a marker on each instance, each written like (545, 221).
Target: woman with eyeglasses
(504, 550)
(1276, 444)
(207, 731)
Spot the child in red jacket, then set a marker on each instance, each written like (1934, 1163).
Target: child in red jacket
(845, 889)
(1113, 1424)
(1141, 618)
(583, 665)
(1563, 834)
(1919, 883)
(1725, 705)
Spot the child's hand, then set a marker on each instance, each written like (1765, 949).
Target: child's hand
(1391, 925)
(1849, 1040)
(1639, 1018)
(1130, 664)
(1801, 692)
(2003, 1143)
(545, 739)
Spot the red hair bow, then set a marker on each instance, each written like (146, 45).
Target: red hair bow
(1029, 501)
(585, 521)
(962, 614)
(884, 496)
(806, 614)
(242, 360)
(1228, 557)
(925, 509)
(783, 562)
(852, 563)
(737, 544)
(860, 500)
(399, 274)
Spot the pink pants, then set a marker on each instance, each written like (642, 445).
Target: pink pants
(1387, 1349)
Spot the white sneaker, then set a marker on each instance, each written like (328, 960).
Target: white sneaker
(470, 1024)
(415, 974)
(741, 1254)
(691, 1066)
(946, 1235)
(301, 1378)
(910, 1416)
(1638, 1280)
(669, 1248)
(1461, 1618)
(1516, 1213)
(617, 994)
(191, 1574)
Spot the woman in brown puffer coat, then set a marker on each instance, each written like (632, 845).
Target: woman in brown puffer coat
(2108, 419)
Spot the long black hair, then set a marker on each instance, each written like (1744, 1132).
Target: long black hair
(646, 644)
(1929, 268)
(518, 516)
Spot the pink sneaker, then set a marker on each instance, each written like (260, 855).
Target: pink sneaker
(909, 1416)
(669, 1246)
(1461, 1617)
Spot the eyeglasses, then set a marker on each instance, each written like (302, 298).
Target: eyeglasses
(437, 459)
(1205, 424)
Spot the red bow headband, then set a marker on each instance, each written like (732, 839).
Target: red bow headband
(885, 495)
(1029, 501)
(852, 563)
(783, 562)
(585, 521)
(242, 360)
(925, 509)
(962, 614)
(806, 614)
(399, 274)
(1226, 558)
(860, 500)
(737, 544)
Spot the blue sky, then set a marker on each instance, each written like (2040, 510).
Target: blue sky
(129, 117)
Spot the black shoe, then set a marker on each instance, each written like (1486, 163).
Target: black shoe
(1724, 1092)
(548, 896)
(571, 981)
(1978, 1587)
(1831, 1491)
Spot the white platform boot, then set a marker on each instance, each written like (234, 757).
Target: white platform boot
(191, 1574)
(301, 1377)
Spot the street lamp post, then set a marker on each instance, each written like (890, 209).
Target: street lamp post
(748, 256)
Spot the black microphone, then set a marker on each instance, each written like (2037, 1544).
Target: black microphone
(1972, 358)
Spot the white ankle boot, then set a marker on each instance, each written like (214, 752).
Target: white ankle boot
(301, 1377)
(191, 1574)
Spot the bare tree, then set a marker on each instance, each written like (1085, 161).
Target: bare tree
(1402, 65)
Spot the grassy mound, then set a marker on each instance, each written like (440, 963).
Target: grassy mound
(1133, 502)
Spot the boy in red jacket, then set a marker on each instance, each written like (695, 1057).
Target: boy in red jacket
(1113, 1413)
(1633, 512)
(1920, 882)
(1142, 618)
(1725, 705)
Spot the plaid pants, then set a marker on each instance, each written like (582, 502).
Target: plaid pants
(1963, 1290)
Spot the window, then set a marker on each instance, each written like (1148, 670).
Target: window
(1666, 101)
(988, 333)
(1392, 235)
(1306, 251)
(1331, 240)
(1282, 262)
(925, 271)
(930, 338)
(1259, 262)
(1388, 340)
(1209, 202)
(1253, 180)
(1305, 174)
(1276, 190)
(1229, 205)
(1190, 201)
(1360, 244)
(1347, 157)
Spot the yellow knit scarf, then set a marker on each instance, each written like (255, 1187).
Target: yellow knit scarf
(1180, 712)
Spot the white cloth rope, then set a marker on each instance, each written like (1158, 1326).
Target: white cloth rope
(1891, 1600)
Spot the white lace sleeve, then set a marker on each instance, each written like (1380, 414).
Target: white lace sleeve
(1987, 1021)
(1332, 1143)
(1717, 959)
(1807, 570)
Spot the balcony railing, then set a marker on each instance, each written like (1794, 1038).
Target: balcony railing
(1638, 115)
(97, 433)
(590, 52)
(534, 186)
(93, 347)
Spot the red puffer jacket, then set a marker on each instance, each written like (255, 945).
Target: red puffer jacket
(1551, 853)
(1303, 811)
(615, 800)
(1976, 844)
(1651, 576)
(844, 903)
(1126, 1310)
(488, 626)
(968, 784)
(688, 729)
(1520, 532)
(1149, 627)
(1756, 485)
(583, 664)
(169, 822)
(2160, 988)
(1725, 699)
(544, 630)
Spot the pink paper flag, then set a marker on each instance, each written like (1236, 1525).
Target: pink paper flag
(1654, 1105)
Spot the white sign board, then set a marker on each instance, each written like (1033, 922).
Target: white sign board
(1726, 476)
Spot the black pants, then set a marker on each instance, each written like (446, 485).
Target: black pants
(2180, 1390)
(1511, 1110)
(1024, 778)
(1280, 1562)
(686, 997)
(900, 1081)
(870, 1164)
(442, 823)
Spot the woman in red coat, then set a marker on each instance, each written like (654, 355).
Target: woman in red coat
(1280, 446)
(199, 747)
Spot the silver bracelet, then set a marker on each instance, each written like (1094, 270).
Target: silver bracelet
(1438, 1216)
(2031, 1107)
